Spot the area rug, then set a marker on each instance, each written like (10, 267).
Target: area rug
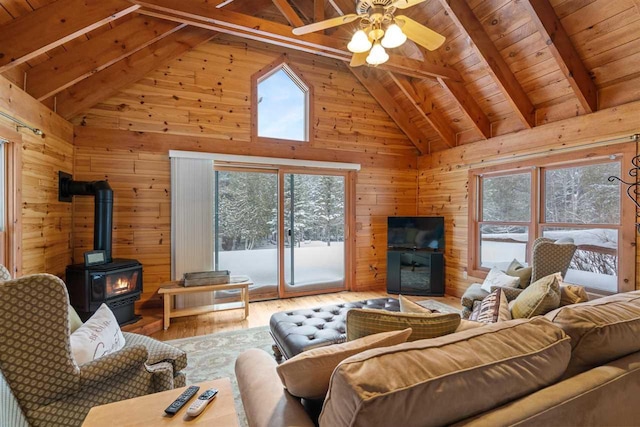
(214, 356)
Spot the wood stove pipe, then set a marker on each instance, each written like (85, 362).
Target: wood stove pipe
(103, 207)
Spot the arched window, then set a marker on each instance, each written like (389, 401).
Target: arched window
(281, 104)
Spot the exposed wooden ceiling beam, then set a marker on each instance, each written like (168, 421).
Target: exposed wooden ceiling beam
(107, 82)
(343, 7)
(101, 51)
(466, 20)
(369, 80)
(426, 109)
(468, 106)
(565, 54)
(54, 24)
(238, 24)
(418, 69)
(318, 10)
(287, 11)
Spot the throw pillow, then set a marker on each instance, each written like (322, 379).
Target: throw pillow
(307, 374)
(540, 297)
(97, 337)
(362, 322)
(572, 294)
(408, 306)
(493, 308)
(516, 269)
(497, 277)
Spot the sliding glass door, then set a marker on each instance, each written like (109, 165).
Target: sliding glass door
(246, 227)
(283, 229)
(314, 224)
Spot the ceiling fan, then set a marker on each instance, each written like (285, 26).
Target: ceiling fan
(379, 29)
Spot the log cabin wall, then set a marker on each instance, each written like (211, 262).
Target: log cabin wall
(201, 102)
(46, 223)
(443, 176)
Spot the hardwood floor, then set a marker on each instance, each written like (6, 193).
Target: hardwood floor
(261, 311)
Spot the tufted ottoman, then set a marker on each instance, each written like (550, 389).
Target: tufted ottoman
(300, 330)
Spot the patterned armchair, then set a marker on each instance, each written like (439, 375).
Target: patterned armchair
(548, 257)
(40, 374)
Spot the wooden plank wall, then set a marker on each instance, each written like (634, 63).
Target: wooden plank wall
(201, 102)
(443, 176)
(46, 223)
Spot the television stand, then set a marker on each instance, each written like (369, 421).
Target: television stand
(415, 272)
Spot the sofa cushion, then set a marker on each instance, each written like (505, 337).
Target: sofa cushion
(539, 298)
(493, 308)
(361, 322)
(601, 330)
(443, 380)
(520, 271)
(307, 374)
(408, 306)
(467, 324)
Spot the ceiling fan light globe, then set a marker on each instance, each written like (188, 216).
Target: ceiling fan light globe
(377, 55)
(393, 37)
(359, 42)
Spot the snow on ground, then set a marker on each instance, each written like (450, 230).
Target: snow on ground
(314, 262)
(602, 237)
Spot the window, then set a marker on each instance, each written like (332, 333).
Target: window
(567, 198)
(281, 104)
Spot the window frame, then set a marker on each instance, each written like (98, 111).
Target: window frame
(623, 152)
(11, 234)
(298, 78)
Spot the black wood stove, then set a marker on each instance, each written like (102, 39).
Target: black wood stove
(116, 282)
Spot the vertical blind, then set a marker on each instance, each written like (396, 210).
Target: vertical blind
(191, 222)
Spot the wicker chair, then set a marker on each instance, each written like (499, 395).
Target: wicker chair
(548, 257)
(38, 369)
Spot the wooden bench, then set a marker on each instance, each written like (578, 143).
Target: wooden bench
(170, 289)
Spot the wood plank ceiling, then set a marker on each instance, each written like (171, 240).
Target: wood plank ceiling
(506, 65)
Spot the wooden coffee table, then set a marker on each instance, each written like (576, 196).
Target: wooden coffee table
(149, 410)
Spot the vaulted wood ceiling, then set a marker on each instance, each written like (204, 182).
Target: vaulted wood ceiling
(507, 65)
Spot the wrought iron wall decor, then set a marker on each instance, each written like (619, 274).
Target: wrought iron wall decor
(633, 187)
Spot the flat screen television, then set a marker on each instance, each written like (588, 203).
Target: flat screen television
(416, 232)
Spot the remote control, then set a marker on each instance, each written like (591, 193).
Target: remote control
(198, 406)
(182, 400)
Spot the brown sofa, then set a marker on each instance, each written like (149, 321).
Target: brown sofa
(578, 365)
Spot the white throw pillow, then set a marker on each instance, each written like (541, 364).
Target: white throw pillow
(97, 337)
(497, 277)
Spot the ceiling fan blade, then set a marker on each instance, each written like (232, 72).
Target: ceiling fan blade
(359, 59)
(420, 34)
(323, 25)
(403, 4)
